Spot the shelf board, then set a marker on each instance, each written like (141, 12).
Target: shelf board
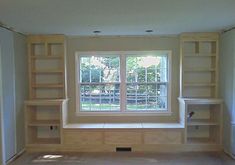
(49, 98)
(201, 122)
(196, 140)
(199, 100)
(200, 55)
(46, 57)
(46, 141)
(48, 86)
(199, 84)
(44, 123)
(43, 102)
(48, 71)
(199, 70)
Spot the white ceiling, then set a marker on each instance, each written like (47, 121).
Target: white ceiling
(117, 17)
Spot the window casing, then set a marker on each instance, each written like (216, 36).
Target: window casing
(120, 83)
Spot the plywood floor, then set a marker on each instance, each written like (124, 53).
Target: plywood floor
(192, 158)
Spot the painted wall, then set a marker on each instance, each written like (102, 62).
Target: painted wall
(21, 87)
(13, 91)
(2, 147)
(8, 96)
(122, 44)
(227, 87)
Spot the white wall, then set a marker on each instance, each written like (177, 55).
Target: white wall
(2, 147)
(8, 93)
(227, 87)
(122, 44)
(13, 91)
(21, 87)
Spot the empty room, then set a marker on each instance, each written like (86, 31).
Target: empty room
(117, 82)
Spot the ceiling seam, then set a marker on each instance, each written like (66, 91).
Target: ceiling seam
(10, 29)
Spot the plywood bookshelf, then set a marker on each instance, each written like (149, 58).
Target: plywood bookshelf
(199, 55)
(43, 121)
(205, 125)
(47, 89)
(46, 56)
(199, 65)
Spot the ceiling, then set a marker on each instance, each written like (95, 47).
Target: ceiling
(117, 17)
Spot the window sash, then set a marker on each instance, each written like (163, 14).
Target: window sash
(108, 98)
(144, 97)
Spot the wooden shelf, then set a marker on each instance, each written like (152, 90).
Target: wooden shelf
(205, 122)
(199, 70)
(50, 98)
(48, 71)
(52, 102)
(46, 57)
(199, 84)
(46, 141)
(47, 89)
(43, 119)
(199, 65)
(203, 101)
(199, 55)
(201, 122)
(44, 123)
(48, 86)
(200, 140)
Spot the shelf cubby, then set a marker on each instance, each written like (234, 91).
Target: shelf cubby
(203, 123)
(44, 121)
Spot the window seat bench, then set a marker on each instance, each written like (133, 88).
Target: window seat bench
(123, 126)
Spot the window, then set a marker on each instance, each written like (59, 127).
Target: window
(100, 83)
(123, 82)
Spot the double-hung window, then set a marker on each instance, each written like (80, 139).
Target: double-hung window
(123, 82)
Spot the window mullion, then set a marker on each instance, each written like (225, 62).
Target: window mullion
(123, 83)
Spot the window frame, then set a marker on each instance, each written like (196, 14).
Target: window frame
(122, 55)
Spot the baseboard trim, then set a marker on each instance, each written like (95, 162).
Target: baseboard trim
(135, 148)
(17, 155)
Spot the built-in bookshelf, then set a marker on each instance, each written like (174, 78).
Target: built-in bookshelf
(203, 122)
(199, 65)
(47, 89)
(43, 122)
(46, 56)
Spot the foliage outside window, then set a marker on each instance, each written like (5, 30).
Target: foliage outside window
(123, 82)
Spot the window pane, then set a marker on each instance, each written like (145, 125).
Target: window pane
(161, 75)
(103, 97)
(85, 97)
(146, 96)
(110, 75)
(146, 69)
(151, 74)
(151, 103)
(146, 78)
(99, 69)
(95, 74)
(161, 103)
(152, 90)
(162, 90)
(85, 69)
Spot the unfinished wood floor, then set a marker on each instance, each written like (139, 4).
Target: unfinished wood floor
(192, 158)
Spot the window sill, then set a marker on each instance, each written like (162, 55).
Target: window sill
(124, 126)
(134, 113)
